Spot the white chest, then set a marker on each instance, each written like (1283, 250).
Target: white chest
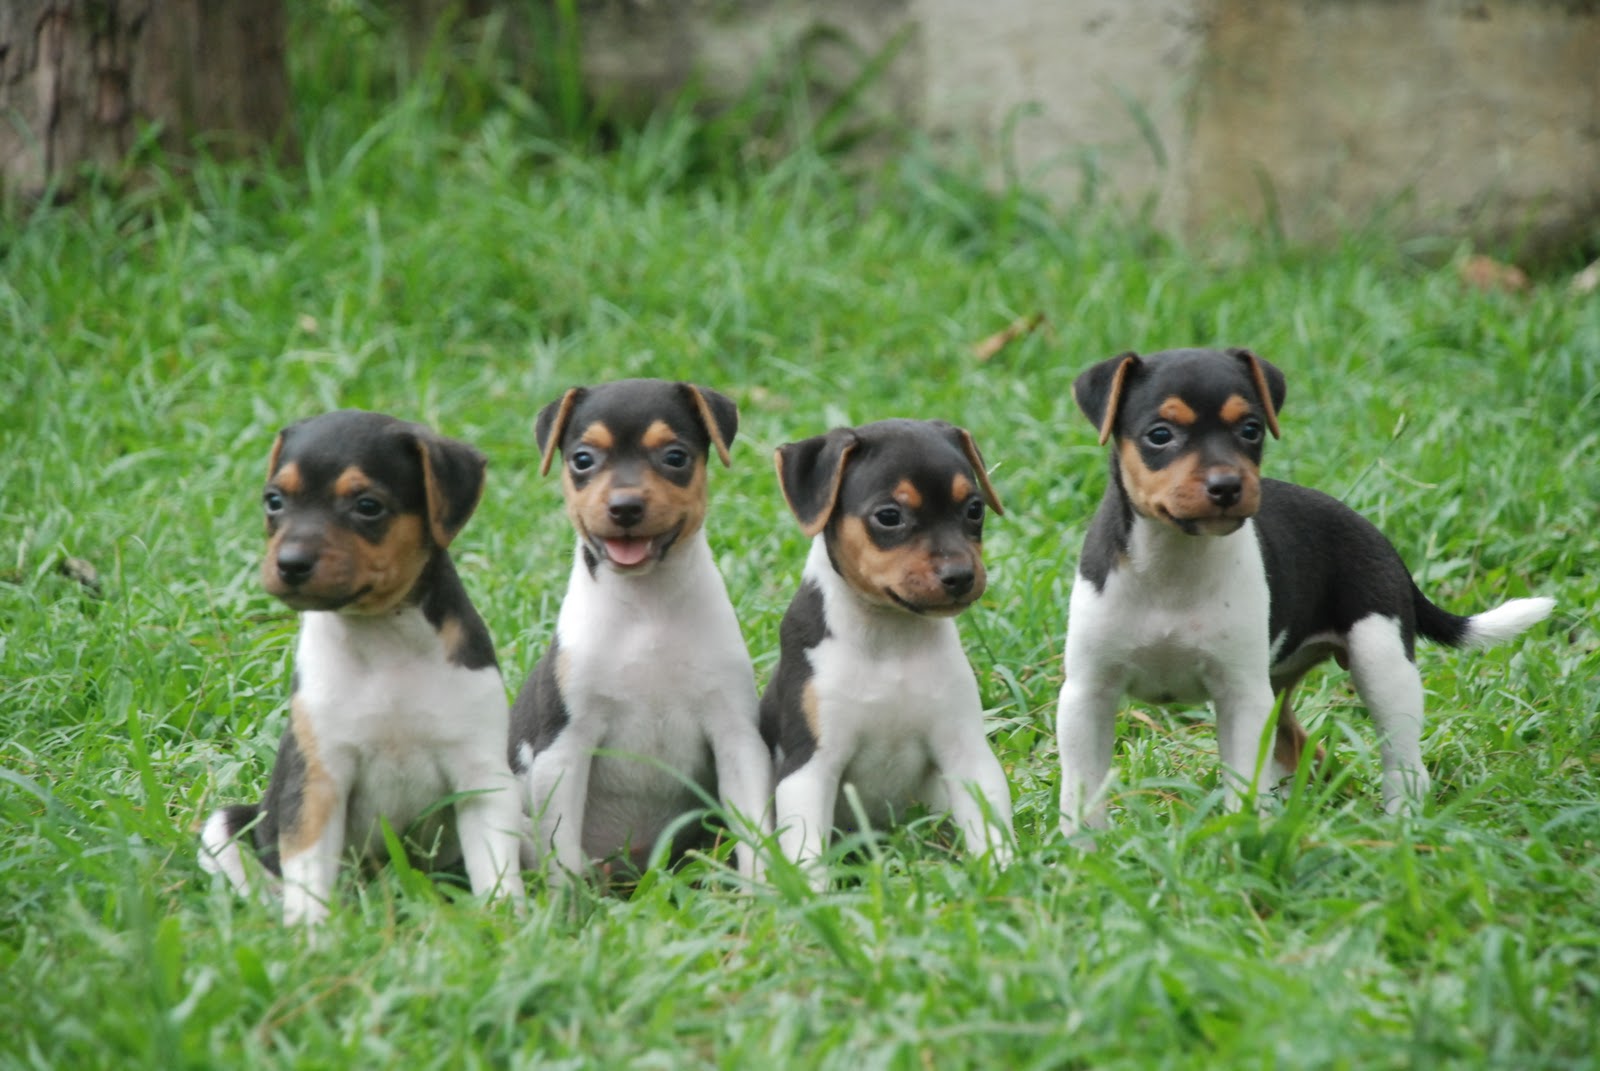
(887, 684)
(385, 686)
(1178, 614)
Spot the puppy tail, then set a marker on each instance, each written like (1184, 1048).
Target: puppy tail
(220, 851)
(1480, 630)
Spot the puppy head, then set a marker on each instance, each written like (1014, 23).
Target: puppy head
(357, 504)
(634, 464)
(901, 506)
(1189, 428)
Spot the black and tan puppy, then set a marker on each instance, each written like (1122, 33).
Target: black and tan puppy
(397, 699)
(647, 690)
(872, 688)
(1200, 579)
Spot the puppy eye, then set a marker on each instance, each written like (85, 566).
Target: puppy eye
(1251, 431)
(975, 510)
(273, 501)
(581, 461)
(676, 457)
(368, 507)
(1160, 435)
(889, 517)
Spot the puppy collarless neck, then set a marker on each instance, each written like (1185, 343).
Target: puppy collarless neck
(854, 617)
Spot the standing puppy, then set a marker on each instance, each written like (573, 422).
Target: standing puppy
(398, 701)
(647, 690)
(872, 688)
(1199, 579)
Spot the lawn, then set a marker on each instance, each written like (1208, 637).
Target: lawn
(462, 266)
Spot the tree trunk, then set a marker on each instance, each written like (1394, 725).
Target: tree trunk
(81, 81)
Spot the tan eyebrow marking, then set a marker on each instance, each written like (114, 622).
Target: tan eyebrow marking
(1235, 408)
(1176, 410)
(351, 481)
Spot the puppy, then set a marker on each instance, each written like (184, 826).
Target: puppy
(872, 688)
(647, 693)
(397, 699)
(1200, 579)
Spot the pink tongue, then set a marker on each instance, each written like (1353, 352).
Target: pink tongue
(627, 551)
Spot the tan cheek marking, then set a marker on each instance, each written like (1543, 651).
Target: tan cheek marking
(670, 504)
(1176, 410)
(390, 569)
(960, 488)
(810, 707)
(318, 796)
(269, 565)
(872, 571)
(657, 435)
(1161, 494)
(352, 481)
(1137, 481)
(586, 505)
(289, 480)
(907, 495)
(1182, 490)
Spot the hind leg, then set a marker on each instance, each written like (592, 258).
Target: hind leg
(1389, 684)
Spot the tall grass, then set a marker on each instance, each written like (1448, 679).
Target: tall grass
(462, 267)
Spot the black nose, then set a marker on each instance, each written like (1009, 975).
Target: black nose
(625, 510)
(1224, 488)
(296, 563)
(957, 579)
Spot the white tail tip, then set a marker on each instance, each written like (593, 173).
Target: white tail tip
(1505, 621)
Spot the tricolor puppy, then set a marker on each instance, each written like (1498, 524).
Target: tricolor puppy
(397, 700)
(1200, 579)
(872, 688)
(647, 689)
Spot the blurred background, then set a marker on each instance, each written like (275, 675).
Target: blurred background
(1440, 121)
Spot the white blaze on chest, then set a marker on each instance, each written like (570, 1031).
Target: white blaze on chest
(1176, 612)
(885, 680)
(384, 702)
(664, 642)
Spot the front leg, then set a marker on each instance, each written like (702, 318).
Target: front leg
(744, 786)
(979, 798)
(1243, 703)
(558, 792)
(803, 804)
(1086, 721)
(309, 845)
(489, 825)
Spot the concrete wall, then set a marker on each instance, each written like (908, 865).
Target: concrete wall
(1447, 117)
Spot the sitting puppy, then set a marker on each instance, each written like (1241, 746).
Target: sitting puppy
(397, 700)
(647, 690)
(872, 688)
(1200, 579)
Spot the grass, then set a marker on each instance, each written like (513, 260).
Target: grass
(463, 271)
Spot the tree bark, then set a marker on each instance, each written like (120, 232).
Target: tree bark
(81, 81)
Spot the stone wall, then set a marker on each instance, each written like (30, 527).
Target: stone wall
(1460, 119)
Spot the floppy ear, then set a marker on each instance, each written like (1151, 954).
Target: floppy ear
(1098, 391)
(809, 472)
(718, 414)
(1270, 385)
(452, 477)
(551, 423)
(963, 439)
